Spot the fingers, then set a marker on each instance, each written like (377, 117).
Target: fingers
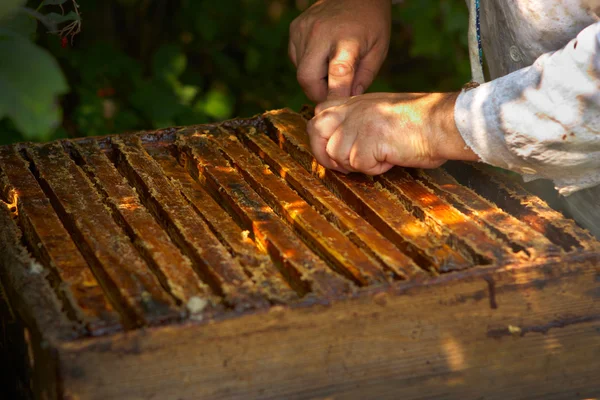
(367, 70)
(292, 53)
(320, 129)
(341, 69)
(328, 104)
(339, 146)
(312, 73)
(347, 137)
(369, 158)
(294, 42)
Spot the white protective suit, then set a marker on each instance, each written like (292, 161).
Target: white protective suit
(539, 115)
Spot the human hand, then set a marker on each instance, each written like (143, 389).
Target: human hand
(373, 132)
(338, 46)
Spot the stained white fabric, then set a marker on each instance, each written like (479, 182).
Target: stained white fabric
(540, 113)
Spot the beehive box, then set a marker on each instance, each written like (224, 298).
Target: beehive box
(221, 261)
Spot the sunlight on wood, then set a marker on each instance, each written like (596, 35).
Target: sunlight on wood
(294, 209)
(223, 169)
(455, 354)
(129, 203)
(13, 202)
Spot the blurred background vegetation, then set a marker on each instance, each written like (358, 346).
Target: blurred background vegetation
(145, 64)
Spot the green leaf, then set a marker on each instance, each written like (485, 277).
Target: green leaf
(169, 62)
(53, 2)
(252, 62)
(56, 18)
(30, 81)
(157, 103)
(216, 104)
(8, 133)
(186, 93)
(190, 116)
(9, 7)
(20, 23)
(208, 28)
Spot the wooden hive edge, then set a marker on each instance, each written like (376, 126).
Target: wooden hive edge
(551, 301)
(453, 335)
(37, 323)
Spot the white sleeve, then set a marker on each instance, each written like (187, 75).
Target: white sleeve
(542, 121)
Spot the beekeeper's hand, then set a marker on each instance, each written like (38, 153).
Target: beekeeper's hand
(338, 46)
(373, 132)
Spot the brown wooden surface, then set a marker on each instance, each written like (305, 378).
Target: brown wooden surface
(134, 289)
(448, 339)
(221, 261)
(74, 281)
(255, 260)
(528, 208)
(212, 261)
(465, 233)
(338, 213)
(171, 266)
(520, 236)
(302, 267)
(377, 206)
(348, 259)
(34, 308)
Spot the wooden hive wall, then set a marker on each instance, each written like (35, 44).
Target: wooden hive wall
(222, 261)
(147, 229)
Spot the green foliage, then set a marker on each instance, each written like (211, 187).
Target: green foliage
(20, 24)
(30, 78)
(10, 7)
(156, 63)
(431, 46)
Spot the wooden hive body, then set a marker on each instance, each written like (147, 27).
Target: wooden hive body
(221, 261)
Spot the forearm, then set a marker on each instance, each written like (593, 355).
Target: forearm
(541, 121)
(448, 141)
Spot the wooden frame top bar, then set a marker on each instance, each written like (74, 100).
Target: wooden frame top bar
(229, 248)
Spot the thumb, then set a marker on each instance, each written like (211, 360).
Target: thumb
(340, 74)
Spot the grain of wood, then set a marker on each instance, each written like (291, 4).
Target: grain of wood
(127, 280)
(525, 325)
(338, 213)
(75, 283)
(302, 268)
(256, 261)
(343, 255)
(466, 235)
(439, 340)
(483, 212)
(378, 207)
(170, 265)
(528, 208)
(212, 261)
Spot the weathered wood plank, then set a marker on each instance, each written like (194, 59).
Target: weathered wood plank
(32, 299)
(377, 206)
(512, 230)
(256, 261)
(212, 261)
(526, 329)
(466, 235)
(302, 268)
(337, 212)
(528, 208)
(74, 281)
(437, 340)
(333, 245)
(126, 278)
(173, 269)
